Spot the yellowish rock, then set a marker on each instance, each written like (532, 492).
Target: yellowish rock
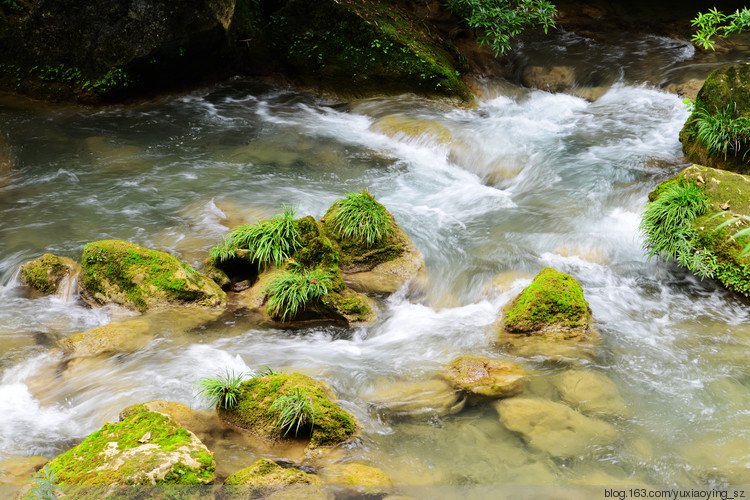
(17, 470)
(418, 398)
(488, 378)
(117, 337)
(591, 393)
(554, 79)
(553, 427)
(720, 458)
(364, 478)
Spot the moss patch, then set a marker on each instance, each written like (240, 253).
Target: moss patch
(139, 278)
(45, 273)
(144, 448)
(266, 472)
(253, 409)
(553, 300)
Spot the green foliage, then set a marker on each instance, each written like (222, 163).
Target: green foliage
(45, 487)
(667, 228)
(296, 411)
(736, 220)
(222, 390)
(361, 218)
(291, 292)
(721, 132)
(715, 22)
(501, 20)
(270, 241)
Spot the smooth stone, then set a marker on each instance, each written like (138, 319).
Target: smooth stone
(591, 393)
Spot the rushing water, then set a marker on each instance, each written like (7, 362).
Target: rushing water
(490, 195)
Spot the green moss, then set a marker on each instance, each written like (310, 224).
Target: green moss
(253, 409)
(137, 277)
(355, 307)
(266, 472)
(552, 299)
(153, 437)
(45, 273)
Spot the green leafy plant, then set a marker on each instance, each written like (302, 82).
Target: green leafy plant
(361, 218)
(717, 23)
(221, 390)
(291, 292)
(296, 411)
(45, 487)
(721, 132)
(667, 228)
(501, 20)
(270, 241)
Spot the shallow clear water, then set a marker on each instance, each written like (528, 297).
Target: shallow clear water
(526, 180)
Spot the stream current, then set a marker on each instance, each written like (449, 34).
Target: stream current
(491, 195)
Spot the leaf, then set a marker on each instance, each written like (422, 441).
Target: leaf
(145, 437)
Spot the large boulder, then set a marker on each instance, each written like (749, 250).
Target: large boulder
(553, 427)
(135, 277)
(550, 317)
(486, 378)
(727, 194)
(144, 448)
(327, 425)
(47, 274)
(726, 88)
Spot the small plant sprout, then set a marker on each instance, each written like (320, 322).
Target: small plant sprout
(296, 411)
(360, 217)
(291, 292)
(45, 487)
(221, 391)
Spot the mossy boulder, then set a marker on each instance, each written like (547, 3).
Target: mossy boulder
(550, 317)
(135, 277)
(263, 478)
(728, 195)
(728, 86)
(363, 480)
(486, 378)
(45, 274)
(144, 448)
(253, 411)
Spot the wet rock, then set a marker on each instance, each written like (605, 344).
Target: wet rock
(486, 378)
(6, 162)
(720, 458)
(688, 89)
(18, 470)
(433, 397)
(553, 427)
(364, 479)
(265, 477)
(554, 79)
(117, 337)
(418, 130)
(550, 318)
(123, 273)
(592, 393)
(331, 425)
(144, 448)
(47, 274)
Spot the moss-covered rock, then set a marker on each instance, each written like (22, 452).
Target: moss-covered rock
(123, 273)
(728, 86)
(144, 448)
(728, 195)
(45, 274)
(263, 478)
(363, 479)
(331, 425)
(486, 378)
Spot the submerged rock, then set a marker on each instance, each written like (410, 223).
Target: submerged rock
(550, 317)
(554, 79)
(18, 470)
(123, 273)
(263, 478)
(433, 397)
(553, 427)
(592, 393)
(364, 479)
(486, 378)
(326, 423)
(46, 274)
(117, 337)
(143, 448)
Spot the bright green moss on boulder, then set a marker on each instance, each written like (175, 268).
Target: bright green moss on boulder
(265, 477)
(728, 195)
(45, 273)
(332, 425)
(123, 273)
(144, 448)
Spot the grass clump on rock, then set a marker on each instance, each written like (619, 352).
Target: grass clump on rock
(359, 217)
(291, 292)
(222, 390)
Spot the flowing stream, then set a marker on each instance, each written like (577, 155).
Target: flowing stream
(491, 195)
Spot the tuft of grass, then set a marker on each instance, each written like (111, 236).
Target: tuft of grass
(667, 228)
(296, 411)
(221, 390)
(45, 484)
(291, 292)
(722, 133)
(270, 241)
(360, 217)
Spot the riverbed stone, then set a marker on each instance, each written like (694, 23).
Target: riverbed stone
(485, 378)
(18, 470)
(720, 457)
(45, 275)
(253, 411)
(363, 479)
(591, 393)
(550, 318)
(264, 478)
(431, 397)
(113, 338)
(135, 277)
(552, 79)
(6, 162)
(145, 448)
(553, 427)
